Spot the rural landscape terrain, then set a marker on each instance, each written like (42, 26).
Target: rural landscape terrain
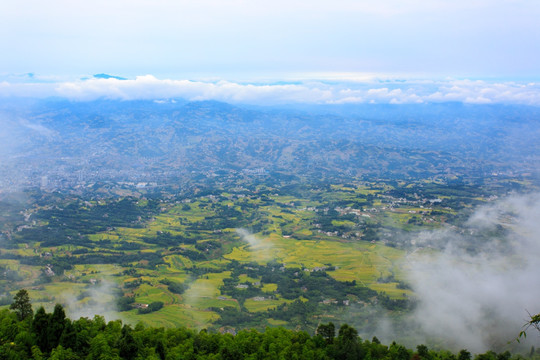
(281, 180)
(212, 216)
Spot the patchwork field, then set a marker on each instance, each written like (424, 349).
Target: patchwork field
(208, 260)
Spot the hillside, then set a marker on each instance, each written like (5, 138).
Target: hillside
(62, 144)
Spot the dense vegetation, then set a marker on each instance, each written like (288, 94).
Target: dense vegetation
(53, 336)
(320, 252)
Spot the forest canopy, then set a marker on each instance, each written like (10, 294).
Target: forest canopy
(54, 336)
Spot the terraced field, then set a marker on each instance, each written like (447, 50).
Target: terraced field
(195, 256)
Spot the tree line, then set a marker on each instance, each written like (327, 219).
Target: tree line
(53, 336)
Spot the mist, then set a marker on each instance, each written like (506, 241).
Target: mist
(477, 296)
(260, 248)
(99, 299)
(194, 295)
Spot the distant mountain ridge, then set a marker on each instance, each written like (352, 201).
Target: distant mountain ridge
(153, 141)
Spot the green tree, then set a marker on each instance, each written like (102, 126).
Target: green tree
(347, 344)
(59, 353)
(56, 326)
(68, 339)
(399, 352)
(127, 345)
(24, 341)
(101, 350)
(40, 325)
(36, 353)
(328, 332)
(423, 352)
(21, 305)
(464, 355)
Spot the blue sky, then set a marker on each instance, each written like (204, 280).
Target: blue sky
(263, 41)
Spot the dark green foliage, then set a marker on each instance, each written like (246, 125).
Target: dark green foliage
(293, 283)
(40, 327)
(207, 245)
(347, 344)
(68, 339)
(166, 239)
(53, 336)
(186, 207)
(174, 287)
(22, 306)
(423, 352)
(61, 353)
(125, 303)
(490, 355)
(399, 352)
(298, 310)
(230, 315)
(55, 327)
(328, 332)
(127, 346)
(464, 355)
(70, 223)
(317, 286)
(154, 306)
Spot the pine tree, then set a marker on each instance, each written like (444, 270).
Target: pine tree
(21, 305)
(328, 332)
(56, 326)
(40, 326)
(127, 344)
(464, 355)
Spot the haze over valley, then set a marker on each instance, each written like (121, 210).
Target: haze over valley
(281, 180)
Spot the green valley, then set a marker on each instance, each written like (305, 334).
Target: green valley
(245, 257)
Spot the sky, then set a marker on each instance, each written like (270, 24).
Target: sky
(255, 41)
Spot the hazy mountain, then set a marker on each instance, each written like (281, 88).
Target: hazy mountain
(156, 140)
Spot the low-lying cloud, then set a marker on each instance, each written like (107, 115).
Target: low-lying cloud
(99, 299)
(261, 248)
(341, 90)
(477, 297)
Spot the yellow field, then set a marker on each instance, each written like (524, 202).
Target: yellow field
(178, 262)
(269, 287)
(391, 290)
(173, 316)
(360, 261)
(147, 294)
(263, 305)
(302, 246)
(275, 322)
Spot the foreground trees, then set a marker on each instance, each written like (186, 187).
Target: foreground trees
(21, 305)
(53, 336)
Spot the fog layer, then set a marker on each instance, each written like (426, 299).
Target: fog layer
(476, 294)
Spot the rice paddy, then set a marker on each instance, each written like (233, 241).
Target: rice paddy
(290, 235)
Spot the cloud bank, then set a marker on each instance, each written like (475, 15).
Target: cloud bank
(99, 300)
(480, 300)
(340, 90)
(260, 248)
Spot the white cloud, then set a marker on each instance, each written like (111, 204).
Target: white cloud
(479, 301)
(149, 87)
(260, 249)
(348, 88)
